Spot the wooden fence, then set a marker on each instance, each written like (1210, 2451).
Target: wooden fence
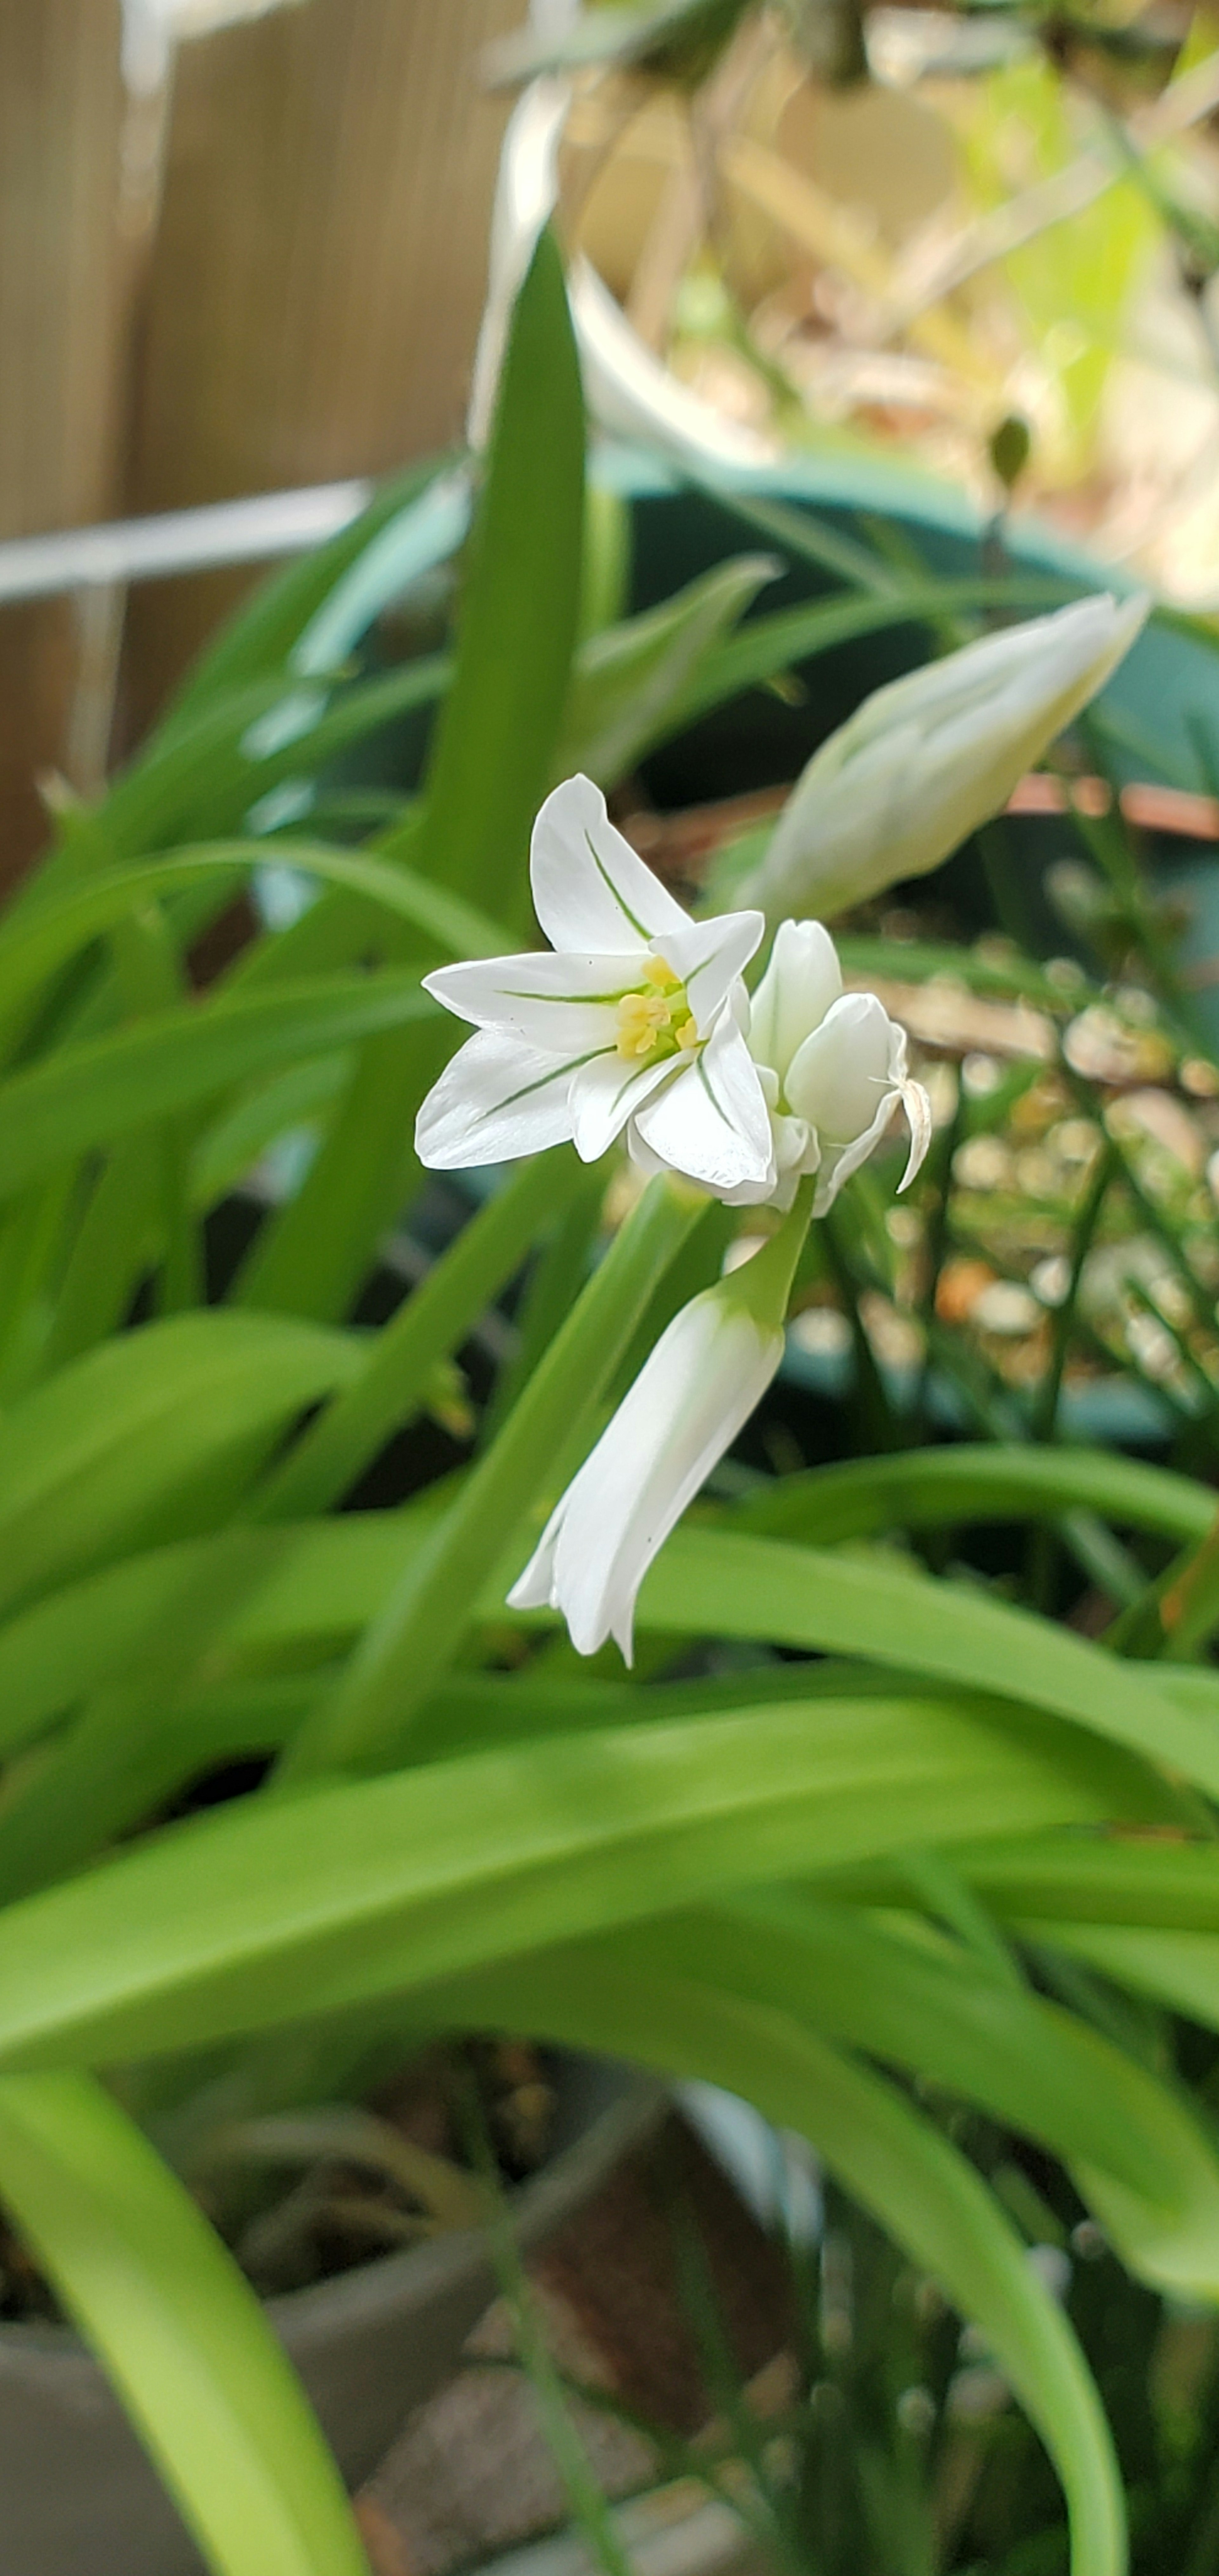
(271, 275)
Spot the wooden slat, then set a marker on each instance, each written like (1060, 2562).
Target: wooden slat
(319, 269)
(62, 280)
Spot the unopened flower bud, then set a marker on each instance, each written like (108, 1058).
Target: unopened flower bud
(927, 758)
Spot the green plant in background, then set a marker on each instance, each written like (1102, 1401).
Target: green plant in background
(905, 1834)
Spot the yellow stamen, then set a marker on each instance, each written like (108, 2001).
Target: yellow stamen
(655, 1021)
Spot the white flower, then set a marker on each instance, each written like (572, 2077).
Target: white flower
(832, 1066)
(690, 1399)
(628, 1024)
(922, 762)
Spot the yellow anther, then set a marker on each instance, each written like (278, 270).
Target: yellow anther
(656, 1020)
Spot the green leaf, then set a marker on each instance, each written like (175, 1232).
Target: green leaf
(297, 1596)
(257, 641)
(178, 2331)
(428, 1326)
(123, 1445)
(767, 646)
(519, 612)
(490, 768)
(1179, 1969)
(88, 1094)
(1137, 2153)
(998, 1480)
(711, 1584)
(628, 679)
(488, 774)
(35, 947)
(272, 1908)
(201, 778)
(626, 1996)
(417, 1632)
(303, 1098)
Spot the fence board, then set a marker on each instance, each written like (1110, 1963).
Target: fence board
(63, 275)
(318, 272)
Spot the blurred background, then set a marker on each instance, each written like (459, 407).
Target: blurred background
(243, 248)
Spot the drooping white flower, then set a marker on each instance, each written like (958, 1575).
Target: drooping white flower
(627, 1023)
(833, 1069)
(926, 759)
(693, 1394)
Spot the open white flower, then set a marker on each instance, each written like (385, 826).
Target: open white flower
(690, 1399)
(628, 1023)
(926, 759)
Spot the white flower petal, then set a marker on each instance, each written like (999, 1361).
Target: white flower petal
(590, 890)
(802, 980)
(916, 1101)
(710, 957)
(840, 1161)
(604, 1094)
(495, 1101)
(711, 1121)
(700, 1384)
(564, 1005)
(835, 1080)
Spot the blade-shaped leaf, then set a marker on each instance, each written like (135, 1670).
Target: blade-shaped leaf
(177, 2329)
(919, 2004)
(628, 679)
(710, 1583)
(86, 1095)
(347, 1890)
(490, 768)
(628, 1998)
(927, 1488)
(119, 1447)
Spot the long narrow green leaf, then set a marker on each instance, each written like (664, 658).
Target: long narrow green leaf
(519, 613)
(428, 1327)
(259, 639)
(709, 1583)
(414, 1637)
(1179, 1969)
(33, 949)
(628, 1998)
(928, 1488)
(87, 1095)
(121, 1447)
(299, 1594)
(178, 2331)
(1136, 2150)
(628, 679)
(204, 776)
(766, 646)
(490, 768)
(273, 1908)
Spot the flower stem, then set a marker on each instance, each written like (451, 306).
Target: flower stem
(329, 1456)
(410, 1643)
(764, 1283)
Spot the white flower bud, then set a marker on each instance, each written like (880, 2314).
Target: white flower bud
(926, 759)
(832, 1066)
